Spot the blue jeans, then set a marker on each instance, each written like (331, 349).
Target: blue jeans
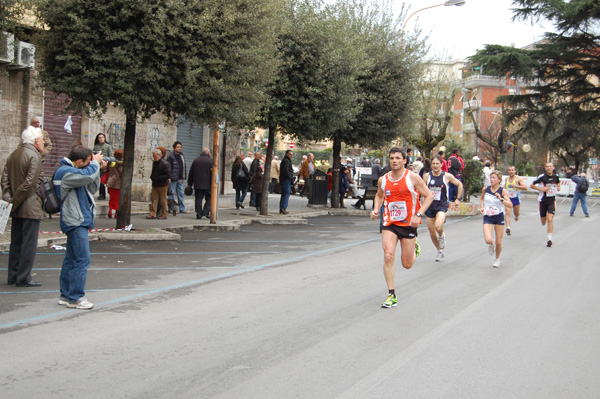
(240, 196)
(177, 190)
(577, 196)
(286, 187)
(75, 265)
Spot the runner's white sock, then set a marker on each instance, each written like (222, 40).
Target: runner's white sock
(550, 237)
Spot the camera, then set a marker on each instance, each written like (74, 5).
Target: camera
(111, 160)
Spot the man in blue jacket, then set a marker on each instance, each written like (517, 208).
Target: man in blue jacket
(76, 181)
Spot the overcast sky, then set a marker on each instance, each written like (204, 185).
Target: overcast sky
(458, 32)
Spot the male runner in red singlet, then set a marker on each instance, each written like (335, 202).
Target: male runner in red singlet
(399, 191)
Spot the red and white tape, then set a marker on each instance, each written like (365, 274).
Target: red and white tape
(126, 228)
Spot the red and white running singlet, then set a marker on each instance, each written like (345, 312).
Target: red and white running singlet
(401, 200)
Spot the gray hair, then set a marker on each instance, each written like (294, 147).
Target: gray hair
(30, 134)
(376, 161)
(157, 152)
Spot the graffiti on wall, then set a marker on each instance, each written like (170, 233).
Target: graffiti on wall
(115, 135)
(154, 137)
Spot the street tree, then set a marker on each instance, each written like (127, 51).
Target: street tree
(562, 70)
(387, 90)
(315, 91)
(433, 109)
(201, 58)
(13, 12)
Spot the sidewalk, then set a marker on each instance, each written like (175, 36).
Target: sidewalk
(228, 218)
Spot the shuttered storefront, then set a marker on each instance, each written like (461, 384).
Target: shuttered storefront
(191, 135)
(54, 121)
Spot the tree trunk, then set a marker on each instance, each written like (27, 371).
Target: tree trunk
(124, 213)
(214, 186)
(335, 184)
(264, 201)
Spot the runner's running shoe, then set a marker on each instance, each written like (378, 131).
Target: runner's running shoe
(442, 241)
(417, 249)
(549, 243)
(496, 263)
(440, 256)
(391, 301)
(491, 249)
(508, 231)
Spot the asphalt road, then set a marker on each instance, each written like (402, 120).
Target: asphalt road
(293, 312)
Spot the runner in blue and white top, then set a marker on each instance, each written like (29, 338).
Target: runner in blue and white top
(437, 181)
(548, 185)
(492, 203)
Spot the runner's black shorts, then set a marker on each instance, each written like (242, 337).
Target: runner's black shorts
(402, 231)
(546, 207)
(494, 219)
(431, 213)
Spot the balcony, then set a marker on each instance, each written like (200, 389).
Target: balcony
(472, 104)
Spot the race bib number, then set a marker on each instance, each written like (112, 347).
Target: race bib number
(491, 210)
(437, 193)
(552, 189)
(397, 211)
(512, 193)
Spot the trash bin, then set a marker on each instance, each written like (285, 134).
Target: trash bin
(317, 189)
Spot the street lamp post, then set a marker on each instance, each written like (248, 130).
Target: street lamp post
(448, 3)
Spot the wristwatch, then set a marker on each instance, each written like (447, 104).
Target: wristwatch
(418, 214)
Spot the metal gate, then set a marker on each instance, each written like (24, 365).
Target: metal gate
(191, 135)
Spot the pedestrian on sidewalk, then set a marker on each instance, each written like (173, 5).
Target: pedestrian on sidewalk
(35, 122)
(286, 176)
(100, 144)
(20, 183)
(274, 174)
(178, 175)
(240, 178)
(580, 194)
(257, 162)
(161, 177)
(76, 181)
(114, 183)
(257, 181)
(200, 178)
(343, 185)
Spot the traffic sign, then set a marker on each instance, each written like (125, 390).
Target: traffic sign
(291, 145)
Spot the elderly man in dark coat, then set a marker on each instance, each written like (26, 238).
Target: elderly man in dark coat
(20, 183)
(200, 178)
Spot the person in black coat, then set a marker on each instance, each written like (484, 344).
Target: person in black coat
(200, 178)
(240, 181)
(286, 176)
(257, 181)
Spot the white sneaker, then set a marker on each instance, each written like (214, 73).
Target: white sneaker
(508, 231)
(440, 256)
(62, 301)
(442, 241)
(496, 263)
(82, 303)
(491, 249)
